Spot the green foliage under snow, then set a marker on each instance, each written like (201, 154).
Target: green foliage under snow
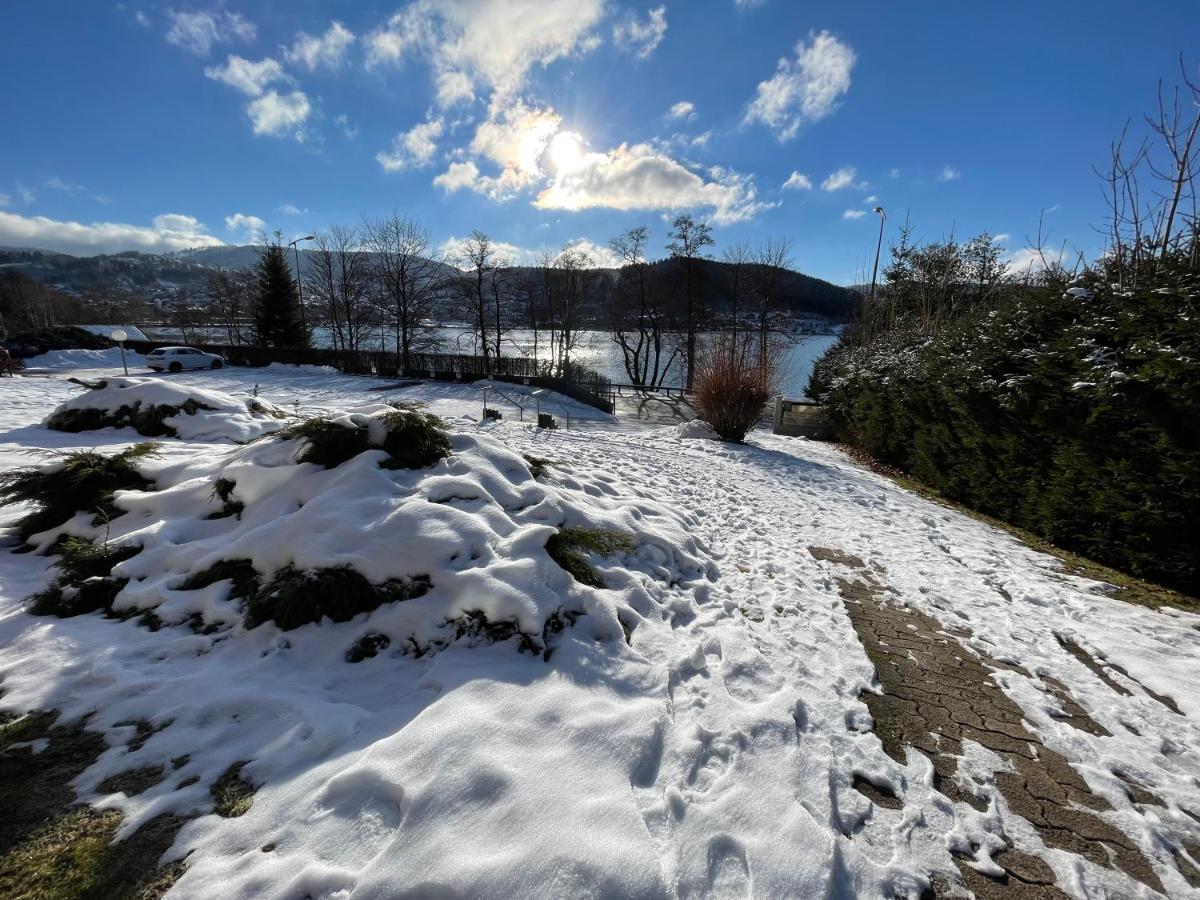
(84, 481)
(1069, 411)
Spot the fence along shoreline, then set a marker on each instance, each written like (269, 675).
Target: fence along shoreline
(576, 382)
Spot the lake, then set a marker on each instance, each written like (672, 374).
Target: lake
(596, 350)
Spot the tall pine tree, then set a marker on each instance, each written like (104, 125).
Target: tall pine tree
(277, 304)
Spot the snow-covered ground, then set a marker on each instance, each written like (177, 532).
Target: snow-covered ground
(710, 755)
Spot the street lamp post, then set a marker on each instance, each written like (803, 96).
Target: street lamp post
(120, 336)
(878, 246)
(299, 280)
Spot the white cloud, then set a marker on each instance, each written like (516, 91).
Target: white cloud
(640, 38)
(949, 173)
(412, 149)
(854, 214)
(196, 32)
(349, 130)
(251, 78)
(805, 89)
(5, 199)
(453, 87)
(27, 195)
(684, 110)
(1001, 238)
(842, 178)
(599, 256)
(515, 137)
(489, 42)
(871, 199)
(640, 177)
(291, 209)
(797, 182)
(250, 227)
(142, 19)
(454, 250)
(170, 231)
(458, 176)
(326, 50)
(278, 114)
(893, 173)
(1028, 261)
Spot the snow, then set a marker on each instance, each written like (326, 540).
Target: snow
(712, 754)
(696, 429)
(81, 359)
(132, 331)
(221, 417)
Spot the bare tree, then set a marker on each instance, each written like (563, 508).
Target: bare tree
(637, 321)
(771, 261)
(477, 260)
(563, 279)
(230, 294)
(689, 239)
(737, 258)
(1178, 138)
(339, 279)
(408, 278)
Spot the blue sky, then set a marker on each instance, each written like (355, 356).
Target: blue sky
(156, 127)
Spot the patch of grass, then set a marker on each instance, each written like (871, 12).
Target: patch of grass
(86, 583)
(295, 597)
(223, 491)
(133, 782)
(568, 547)
(1125, 587)
(412, 440)
(73, 856)
(51, 849)
(232, 795)
(83, 481)
(538, 465)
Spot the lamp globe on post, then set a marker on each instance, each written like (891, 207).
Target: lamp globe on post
(121, 337)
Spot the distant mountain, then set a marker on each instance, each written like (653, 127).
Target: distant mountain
(163, 277)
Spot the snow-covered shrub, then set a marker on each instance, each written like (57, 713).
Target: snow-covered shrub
(296, 597)
(472, 547)
(157, 408)
(85, 583)
(411, 439)
(81, 482)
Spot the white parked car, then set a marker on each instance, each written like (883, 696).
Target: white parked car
(176, 359)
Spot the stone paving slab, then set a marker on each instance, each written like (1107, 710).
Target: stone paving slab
(934, 694)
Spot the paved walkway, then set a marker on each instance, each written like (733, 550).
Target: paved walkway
(934, 693)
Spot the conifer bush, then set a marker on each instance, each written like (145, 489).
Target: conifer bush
(85, 583)
(412, 439)
(81, 481)
(295, 597)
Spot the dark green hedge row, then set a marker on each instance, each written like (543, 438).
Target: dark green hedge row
(1072, 413)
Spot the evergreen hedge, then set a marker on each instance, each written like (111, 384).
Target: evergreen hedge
(1073, 413)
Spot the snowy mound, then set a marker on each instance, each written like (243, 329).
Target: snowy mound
(80, 359)
(696, 429)
(474, 546)
(154, 407)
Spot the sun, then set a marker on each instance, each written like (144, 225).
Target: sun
(566, 151)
